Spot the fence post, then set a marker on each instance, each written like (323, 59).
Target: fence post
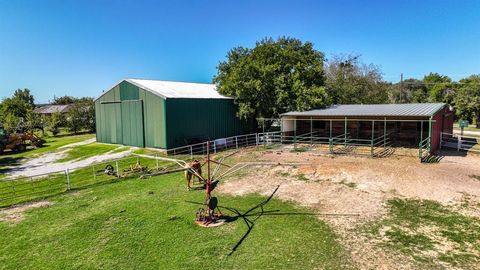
(330, 145)
(459, 143)
(67, 174)
(191, 152)
(118, 169)
(236, 142)
(13, 187)
(33, 186)
(156, 161)
(256, 138)
(214, 147)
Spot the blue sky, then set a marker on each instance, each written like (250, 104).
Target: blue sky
(80, 48)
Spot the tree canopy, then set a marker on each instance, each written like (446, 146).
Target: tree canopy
(274, 77)
(467, 98)
(350, 81)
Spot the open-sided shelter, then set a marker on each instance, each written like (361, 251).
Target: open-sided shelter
(409, 125)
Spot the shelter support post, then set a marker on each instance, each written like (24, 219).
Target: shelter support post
(345, 139)
(384, 132)
(311, 131)
(295, 134)
(430, 134)
(373, 138)
(421, 140)
(330, 129)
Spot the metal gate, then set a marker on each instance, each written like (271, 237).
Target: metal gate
(132, 123)
(459, 142)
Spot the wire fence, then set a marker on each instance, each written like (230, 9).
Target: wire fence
(22, 189)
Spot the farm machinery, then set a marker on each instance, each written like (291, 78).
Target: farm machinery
(18, 142)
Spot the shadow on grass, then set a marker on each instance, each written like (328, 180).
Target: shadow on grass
(6, 162)
(253, 214)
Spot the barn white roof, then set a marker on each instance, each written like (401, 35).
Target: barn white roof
(171, 89)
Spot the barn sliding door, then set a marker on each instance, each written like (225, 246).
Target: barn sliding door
(132, 123)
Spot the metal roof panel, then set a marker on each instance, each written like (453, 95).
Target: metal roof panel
(409, 109)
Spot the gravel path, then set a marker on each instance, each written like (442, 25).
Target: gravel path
(46, 163)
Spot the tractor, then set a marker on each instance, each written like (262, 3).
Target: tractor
(18, 142)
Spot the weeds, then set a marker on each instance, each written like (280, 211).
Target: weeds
(429, 232)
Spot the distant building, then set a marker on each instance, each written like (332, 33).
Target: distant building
(50, 109)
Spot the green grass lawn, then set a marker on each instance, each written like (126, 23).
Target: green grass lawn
(148, 224)
(90, 150)
(430, 233)
(470, 127)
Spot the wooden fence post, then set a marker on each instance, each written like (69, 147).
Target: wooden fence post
(67, 175)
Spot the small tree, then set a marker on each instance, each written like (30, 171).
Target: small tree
(11, 123)
(33, 121)
(76, 118)
(55, 122)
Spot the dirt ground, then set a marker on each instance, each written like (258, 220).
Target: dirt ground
(354, 190)
(16, 214)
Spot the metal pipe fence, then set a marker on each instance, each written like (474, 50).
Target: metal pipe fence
(22, 189)
(459, 142)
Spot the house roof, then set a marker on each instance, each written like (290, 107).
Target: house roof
(405, 110)
(48, 109)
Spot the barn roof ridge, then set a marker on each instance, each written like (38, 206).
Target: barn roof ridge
(167, 89)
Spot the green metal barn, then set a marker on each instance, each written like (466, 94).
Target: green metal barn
(164, 114)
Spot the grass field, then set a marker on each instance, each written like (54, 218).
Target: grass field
(52, 144)
(470, 127)
(148, 224)
(90, 150)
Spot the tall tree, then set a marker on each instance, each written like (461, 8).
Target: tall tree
(19, 104)
(413, 91)
(439, 87)
(274, 77)
(350, 81)
(467, 98)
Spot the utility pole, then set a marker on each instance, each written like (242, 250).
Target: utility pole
(401, 87)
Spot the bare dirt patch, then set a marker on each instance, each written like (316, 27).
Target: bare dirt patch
(355, 190)
(17, 213)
